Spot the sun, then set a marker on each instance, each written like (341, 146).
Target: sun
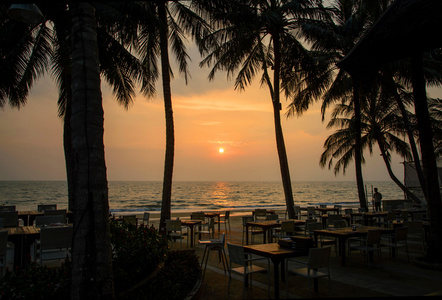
(221, 150)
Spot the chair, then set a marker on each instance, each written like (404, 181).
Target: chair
(49, 220)
(331, 219)
(57, 212)
(146, 217)
(348, 211)
(247, 268)
(371, 244)
(398, 240)
(10, 218)
(214, 245)
(174, 229)
(287, 230)
(55, 243)
(416, 232)
(404, 216)
(311, 227)
(308, 221)
(311, 212)
(225, 219)
(339, 207)
(246, 219)
(323, 205)
(131, 220)
(260, 214)
(209, 229)
(339, 224)
(272, 217)
(7, 208)
(317, 266)
(3, 252)
(298, 212)
(387, 222)
(200, 217)
(45, 207)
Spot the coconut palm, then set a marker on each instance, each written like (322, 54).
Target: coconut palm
(381, 124)
(166, 23)
(259, 36)
(331, 40)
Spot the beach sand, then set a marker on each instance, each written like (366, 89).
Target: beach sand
(395, 278)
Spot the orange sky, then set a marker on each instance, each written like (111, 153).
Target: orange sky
(208, 115)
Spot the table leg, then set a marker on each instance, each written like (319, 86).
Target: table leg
(264, 232)
(191, 236)
(276, 278)
(219, 223)
(247, 234)
(342, 242)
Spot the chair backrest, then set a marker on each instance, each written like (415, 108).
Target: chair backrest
(313, 226)
(10, 218)
(362, 209)
(332, 218)
(173, 225)
(45, 207)
(404, 215)
(323, 205)
(56, 237)
(130, 220)
(236, 254)
(374, 237)
(246, 219)
(339, 224)
(227, 215)
(57, 212)
(222, 239)
(48, 220)
(272, 217)
(401, 233)
(319, 257)
(348, 211)
(146, 217)
(3, 242)
(260, 214)
(298, 210)
(7, 208)
(198, 216)
(212, 224)
(311, 212)
(287, 226)
(339, 207)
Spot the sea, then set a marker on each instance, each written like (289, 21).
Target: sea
(136, 197)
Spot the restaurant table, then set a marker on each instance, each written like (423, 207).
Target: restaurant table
(367, 217)
(29, 216)
(411, 211)
(266, 225)
(213, 215)
(343, 234)
(191, 224)
(22, 237)
(325, 217)
(277, 254)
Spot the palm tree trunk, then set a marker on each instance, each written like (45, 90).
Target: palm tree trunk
(410, 135)
(68, 153)
(358, 145)
(428, 161)
(282, 153)
(91, 248)
(170, 135)
(393, 177)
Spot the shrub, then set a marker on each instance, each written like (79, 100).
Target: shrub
(136, 252)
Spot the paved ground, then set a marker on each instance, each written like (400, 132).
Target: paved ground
(394, 278)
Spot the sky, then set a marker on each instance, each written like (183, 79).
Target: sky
(208, 115)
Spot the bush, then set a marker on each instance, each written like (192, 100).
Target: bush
(175, 280)
(136, 252)
(37, 282)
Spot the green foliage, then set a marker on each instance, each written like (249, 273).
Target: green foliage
(136, 252)
(175, 280)
(37, 282)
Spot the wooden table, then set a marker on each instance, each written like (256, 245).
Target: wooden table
(213, 215)
(191, 224)
(22, 237)
(29, 216)
(343, 234)
(325, 217)
(367, 217)
(266, 225)
(411, 211)
(277, 254)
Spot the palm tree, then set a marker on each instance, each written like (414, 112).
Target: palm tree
(167, 22)
(259, 36)
(381, 124)
(331, 39)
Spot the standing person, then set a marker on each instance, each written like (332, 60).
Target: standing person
(377, 197)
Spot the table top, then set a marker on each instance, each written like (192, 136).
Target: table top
(272, 250)
(190, 222)
(348, 231)
(272, 223)
(370, 214)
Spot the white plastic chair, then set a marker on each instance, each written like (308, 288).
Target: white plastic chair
(174, 230)
(225, 219)
(214, 245)
(371, 244)
(246, 268)
(55, 243)
(10, 218)
(317, 266)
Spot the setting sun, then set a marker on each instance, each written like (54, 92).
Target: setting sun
(221, 150)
